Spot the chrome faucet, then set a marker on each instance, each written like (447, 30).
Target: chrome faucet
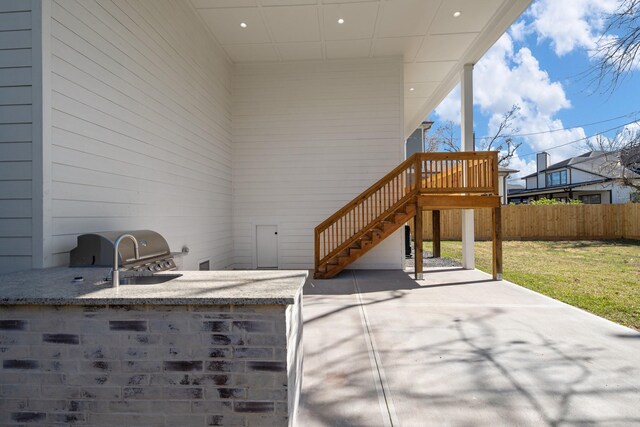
(116, 272)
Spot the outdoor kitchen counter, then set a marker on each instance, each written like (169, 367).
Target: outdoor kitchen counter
(207, 348)
(55, 286)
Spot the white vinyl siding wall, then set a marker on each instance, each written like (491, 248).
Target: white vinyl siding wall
(307, 138)
(141, 126)
(578, 176)
(16, 112)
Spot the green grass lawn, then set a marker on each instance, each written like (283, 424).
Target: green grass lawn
(600, 277)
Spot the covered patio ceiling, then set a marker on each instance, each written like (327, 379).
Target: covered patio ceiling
(435, 37)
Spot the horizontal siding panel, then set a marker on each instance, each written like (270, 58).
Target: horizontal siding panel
(141, 126)
(15, 5)
(99, 49)
(11, 114)
(66, 208)
(15, 95)
(18, 20)
(18, 151)
(15, 135)
(15, 39)
(146, 141)
(15, 189)
(137, 109)
(15, 246)
(308, 137)
(19, 76)
(15, 209)
(19, 170)
(9, 264)
(15, 227)
(190, 200)
(15, 132)
(15, 58)
(174, 230)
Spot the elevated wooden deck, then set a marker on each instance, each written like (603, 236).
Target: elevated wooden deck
(423, 182)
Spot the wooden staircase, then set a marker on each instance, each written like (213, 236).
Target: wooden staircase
(387, 205)
(367, 241)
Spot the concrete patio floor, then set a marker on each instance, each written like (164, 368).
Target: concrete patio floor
(458, 349)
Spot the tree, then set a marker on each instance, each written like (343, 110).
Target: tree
(619, 47)
(504, 140)
(617, 54)
(622, 156)
(442, 138)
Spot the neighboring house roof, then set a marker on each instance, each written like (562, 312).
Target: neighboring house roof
(594, 162)
(555, 189)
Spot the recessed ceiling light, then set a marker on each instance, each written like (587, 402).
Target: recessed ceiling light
(243, 24)
(411, 89)
(340, 21)
(457, 13)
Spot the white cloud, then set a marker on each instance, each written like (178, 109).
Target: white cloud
(560, 145)
(628, 133)
(519, 31)
(524, 166)
(506, 76)
(449, 108)
(570, 24)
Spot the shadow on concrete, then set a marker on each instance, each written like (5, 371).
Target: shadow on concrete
(385, 280)
(628, 336)
(473, 367)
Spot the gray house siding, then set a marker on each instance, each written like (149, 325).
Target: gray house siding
(16, 115)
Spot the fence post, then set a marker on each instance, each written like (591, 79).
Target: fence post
(435, 233)
(497, 243)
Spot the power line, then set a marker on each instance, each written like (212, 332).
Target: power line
(581, 139)
(566, 128)
(561, 129)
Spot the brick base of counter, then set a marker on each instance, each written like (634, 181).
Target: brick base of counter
(150, 365)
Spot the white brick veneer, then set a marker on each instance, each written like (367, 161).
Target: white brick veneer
(150, 365)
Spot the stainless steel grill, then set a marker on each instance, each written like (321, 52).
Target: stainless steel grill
(97, 249)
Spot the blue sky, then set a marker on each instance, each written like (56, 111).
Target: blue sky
(539, 64)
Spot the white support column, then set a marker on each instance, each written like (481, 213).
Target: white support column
(467, 144)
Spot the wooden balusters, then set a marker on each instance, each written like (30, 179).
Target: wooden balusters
(438, 173)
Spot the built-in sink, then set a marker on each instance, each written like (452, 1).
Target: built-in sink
(148, 280)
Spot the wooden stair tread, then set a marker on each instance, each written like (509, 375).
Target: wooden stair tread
(365, 243)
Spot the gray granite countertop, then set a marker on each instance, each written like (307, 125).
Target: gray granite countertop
(55, 286)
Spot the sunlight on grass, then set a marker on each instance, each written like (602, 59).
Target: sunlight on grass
(600, 277)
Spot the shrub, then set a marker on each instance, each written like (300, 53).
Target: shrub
(545, 201)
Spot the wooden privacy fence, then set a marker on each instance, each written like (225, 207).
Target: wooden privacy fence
(546, 222)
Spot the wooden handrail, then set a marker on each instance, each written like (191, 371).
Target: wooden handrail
(366, 193)
(440, 173)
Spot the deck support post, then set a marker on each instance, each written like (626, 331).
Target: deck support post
(435, 224)
(417, 240)
(497, 243)
(467, 144)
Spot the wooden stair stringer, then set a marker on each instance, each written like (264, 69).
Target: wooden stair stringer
(379, 232)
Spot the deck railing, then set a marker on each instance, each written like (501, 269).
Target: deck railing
(423, 173)
(358, 216)
(459, 172)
